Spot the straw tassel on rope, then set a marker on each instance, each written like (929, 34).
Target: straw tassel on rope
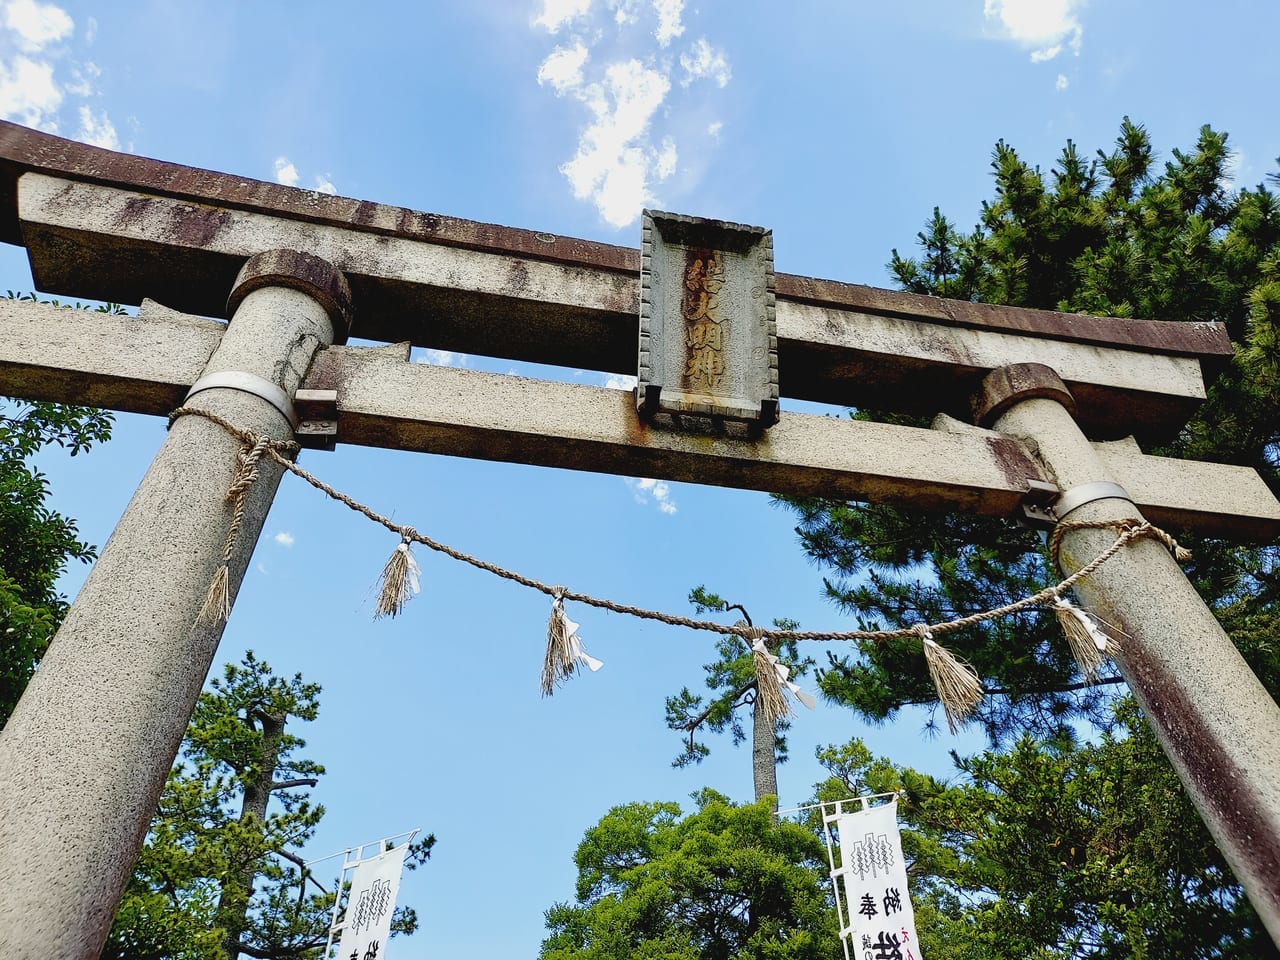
(217, 602)
(773, 678)
(400, 577)
(957, 683)
(1089, 645)
(959, 689)
(564, 647)
(771, 700)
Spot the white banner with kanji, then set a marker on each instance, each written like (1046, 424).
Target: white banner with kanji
(367, 925)
(879, 923)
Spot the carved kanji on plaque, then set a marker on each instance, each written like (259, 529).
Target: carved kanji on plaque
(708, 340)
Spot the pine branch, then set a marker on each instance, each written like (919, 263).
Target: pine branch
(302, 864)
(1001, 692)
(291, 784)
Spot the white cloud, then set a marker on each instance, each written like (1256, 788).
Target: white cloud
(1044, 26)
(665, 160)
(615, 161)
(656, 492)
(625, 12)
(616, 64)
(36, 25)
(670, 25)
(41, 85)
(444, 358)
(704, 60)
(714, 128)
(284, 538)
(563, 68)
(286, 172)
(28, 92)
(556, 13)
(97, 129)
(82, 79)
(620, 381)
(1062, 82)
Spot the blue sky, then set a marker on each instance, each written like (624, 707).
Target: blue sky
(839, 126)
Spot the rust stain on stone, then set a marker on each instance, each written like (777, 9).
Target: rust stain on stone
(366, 213)
(198, 225)
(519, 277)
(135, 210)
(1015, 462)
(1241, 814)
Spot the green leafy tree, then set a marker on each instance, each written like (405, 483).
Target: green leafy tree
(1058, 851)
(1113, 235)
(725, 881)
(220, 874)
(731, 682)
(36, 542)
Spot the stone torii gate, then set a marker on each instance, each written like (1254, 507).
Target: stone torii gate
(1035, 410)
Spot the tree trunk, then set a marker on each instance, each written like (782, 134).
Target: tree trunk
(237, 889)
(764, 757)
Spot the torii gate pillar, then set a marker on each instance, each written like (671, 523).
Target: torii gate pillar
(85, 755)
(1217, 723)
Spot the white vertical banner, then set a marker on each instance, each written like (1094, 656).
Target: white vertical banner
(877, 922)
(366, 928)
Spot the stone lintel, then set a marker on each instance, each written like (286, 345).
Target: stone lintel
(105, 243)
(23, 150)
(146, 364)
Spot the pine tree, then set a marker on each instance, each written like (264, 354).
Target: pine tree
(725, 881)
(731, 681)
(220, 873)
(1113, 236)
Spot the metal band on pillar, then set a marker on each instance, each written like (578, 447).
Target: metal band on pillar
(1078, 496)
(248, 383)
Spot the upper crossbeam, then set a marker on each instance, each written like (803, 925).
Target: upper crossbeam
(110, 226)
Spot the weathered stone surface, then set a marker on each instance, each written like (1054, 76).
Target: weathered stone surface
(851, 347)
(146, 364)
(1011, 384)
(142, 364)
(123, 672)
(23, 150)
(297, 270)
(1217, 723)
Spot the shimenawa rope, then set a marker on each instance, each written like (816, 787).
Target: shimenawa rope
(948, 672)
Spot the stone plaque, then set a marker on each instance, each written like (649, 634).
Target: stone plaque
(708, 339)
